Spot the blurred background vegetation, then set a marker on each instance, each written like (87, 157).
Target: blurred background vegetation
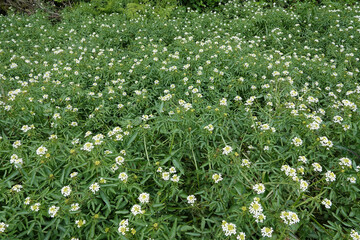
(54, 7)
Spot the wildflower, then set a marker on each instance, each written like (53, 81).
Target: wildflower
(264, 127)
(53, 210)
(27, 201)
(87, 147)
(330, 176)
(73, 174)
(228, 228)
(255, 207)
(297, 141)
(16, 188)
(74, 207)
(227, 150)
(259, 217)
(191, 199)
(57, 116)
(66, 191)
(241, 236)
(3, 227)
(172, 170)
(345, 162)
(166, 176)
(245, 163)
(303, 185)
(80, 223)
(259, 188)
(326, 142)
(326, 202)
(337, 119)
(94, 187)
(302, 159)
(41, 151)
(352, 179)
(346, 127)
(35, 207)
(317, 167)
(267, 232)
(123, 226)
(17, 144)
(123, 177)
(289, 217)
(355, 235)
(223, 102)
(144, 198)
(175, 178)
(209, 127)
(217, 177)
(136, 209)
(119, 160)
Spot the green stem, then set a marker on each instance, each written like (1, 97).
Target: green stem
(147, 156)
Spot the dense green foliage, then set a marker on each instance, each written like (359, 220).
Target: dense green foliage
(161, 122)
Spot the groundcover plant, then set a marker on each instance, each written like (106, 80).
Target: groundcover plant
(237, 124)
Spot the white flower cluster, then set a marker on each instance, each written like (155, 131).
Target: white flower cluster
(289, 217)
(257, 210)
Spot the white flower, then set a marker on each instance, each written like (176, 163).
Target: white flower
(302, 159)
(123, 177)
(3, 227)
(136, 209)
(41, 151)
(175, 178)
(289, 217)
(16, 144)
(303, 185)
(74, 207)
(267, 232)
(27, 201)
(326, 142)
(228, 228)
(355, 235)
(16, 188)
(326, 202)
(217, 177)
(317, 167)
(255, 207)
(66, 191)
(165, 176)
(245, 163)
(352, 179)
(241, 236)
(223, 102)
(297, 141)
(337, 119)
(87, 147)
(259, 217)
(14, 159)
(227, 150)
(123, 226)
(191, 199)
(53, 210)
(330, 176)
(35, 207)
(259, 188)
(345, 162)
(172, 170)
(144, 198)
(80, 223)
(119, 160)
(94, 187)
(73, 174)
